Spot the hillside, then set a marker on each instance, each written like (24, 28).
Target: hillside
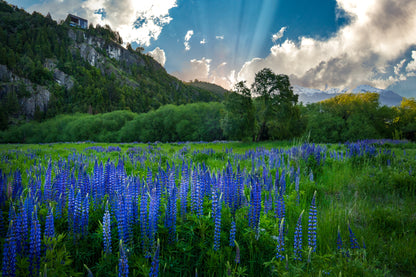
(48, 69)
(208, 86)
(307, 95)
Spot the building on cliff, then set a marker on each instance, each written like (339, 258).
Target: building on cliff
(76, 21)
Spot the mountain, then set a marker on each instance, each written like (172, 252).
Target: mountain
(48, 69)
(307, 95)
(208, 86)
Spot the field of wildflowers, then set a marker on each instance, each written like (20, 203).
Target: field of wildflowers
(208, 209)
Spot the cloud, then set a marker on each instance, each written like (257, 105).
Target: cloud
(279, 34)
(412, 65)
(195, 69)
(188, 36)
(159, 55)
(219, 37)
(139, 21)
(203, 71)
(378, 32)
(399, 67)
(203, 41)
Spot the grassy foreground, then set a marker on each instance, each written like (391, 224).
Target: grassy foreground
(212, 209)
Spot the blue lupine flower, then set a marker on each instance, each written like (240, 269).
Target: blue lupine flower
(123, 265)
(216, 211)
(107, 230)
(312, 222)
(35, 241)
(170, 217)
(184, 189)
(280, 248)
(21, 227)
(85, 215)
(144, 220)
(47, 188)
(297, 248)
(154, 270)
(49, 224)
(9, 253)
(232, 233)
(353, 239)
(255, 205)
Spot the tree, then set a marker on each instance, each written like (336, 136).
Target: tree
(276, 105)
(239, 120)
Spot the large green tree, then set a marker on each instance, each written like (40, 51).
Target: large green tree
(276, 109)
(239, 120)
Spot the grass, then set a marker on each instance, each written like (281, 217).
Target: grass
(375, 196)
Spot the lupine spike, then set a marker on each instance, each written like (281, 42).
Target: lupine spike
(154, 270)
(216, 207)
(280, 248)
(9, 253)
(123, 265)
(297, 249)
(312, 224)
(232, 233)
(49, 224)
(107, 230)
(353, 239)
(35, 242)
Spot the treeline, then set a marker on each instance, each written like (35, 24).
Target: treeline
(192, 122)
(347, 117)
(31, 43)
(267, 111)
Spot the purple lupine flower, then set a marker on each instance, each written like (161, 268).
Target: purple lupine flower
(85, 215)
(216, 212)
(255, 205)
(232, 233)
(353, 239)
(107, 230)
(312, 222)
(154, 270)
(49, 224)
(21, 227)
(9, 253)
(17, 184)
(280, 208)
(170, 216)
(184, 189)
(297, 248)
(123, 265)
(144, 226)
(47, 187)
(78, 213)
(71, 209)
(280, 248)
(35, 242)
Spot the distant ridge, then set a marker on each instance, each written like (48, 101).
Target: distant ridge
(307, 95)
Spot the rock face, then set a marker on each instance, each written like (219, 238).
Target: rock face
(38, 96)
(88, 45)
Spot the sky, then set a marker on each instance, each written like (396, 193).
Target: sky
(319, 44)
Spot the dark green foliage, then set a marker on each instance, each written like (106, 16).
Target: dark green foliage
(192, 122)
(276, 109)
(239, 120)
(34, 47)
